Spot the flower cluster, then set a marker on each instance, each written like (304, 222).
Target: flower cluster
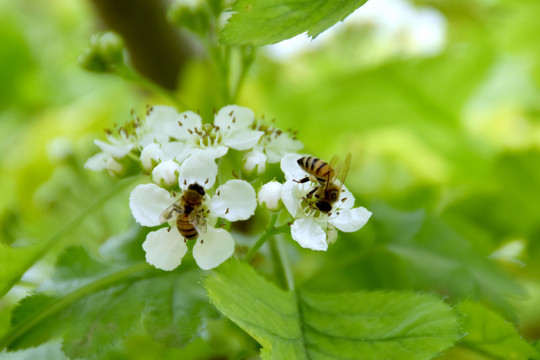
(180, 152)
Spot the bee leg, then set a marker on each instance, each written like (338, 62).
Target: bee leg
(302, 181)
(310, 194)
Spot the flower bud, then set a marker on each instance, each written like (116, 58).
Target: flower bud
(270, 196)
(255, 159)
(105, 53)
(190, 14)
(151, 155)
(165, 174)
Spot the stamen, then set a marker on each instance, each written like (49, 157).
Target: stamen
(227, 211)
(180, 123)
(232, 111)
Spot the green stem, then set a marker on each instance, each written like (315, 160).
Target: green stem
(69, 299)
(248, 56)
(281, 262)
(269, 232)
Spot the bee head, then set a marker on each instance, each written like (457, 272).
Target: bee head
(196, 187)
(323, 206)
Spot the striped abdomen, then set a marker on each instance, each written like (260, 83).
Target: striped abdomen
(316, 167)
(186, 228)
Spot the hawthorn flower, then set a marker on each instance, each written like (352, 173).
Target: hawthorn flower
(231, 129)
(235, 200)
(271, 147)
(312, 228)
(135, 135)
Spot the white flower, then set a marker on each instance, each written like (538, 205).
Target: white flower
(255, 159)
(231, 129)
(103, 161)
(270, 149)
(137, 135)
(235, 200)
(166, 173)
(312, 228)
(270, 196)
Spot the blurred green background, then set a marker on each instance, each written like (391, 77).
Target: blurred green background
(445, 147)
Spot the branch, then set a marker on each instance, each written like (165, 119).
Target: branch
(156, 48)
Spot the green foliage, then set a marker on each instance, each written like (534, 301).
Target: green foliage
(15, 262)
(299, 325)
(487, 333)
(94, 304)
(259, 22)
(176, 310)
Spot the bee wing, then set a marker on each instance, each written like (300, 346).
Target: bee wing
(171, 212)
(334, 166)
(197, 219)
(343, 170)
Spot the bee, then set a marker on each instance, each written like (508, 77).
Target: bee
(326, 191)
(189, 212)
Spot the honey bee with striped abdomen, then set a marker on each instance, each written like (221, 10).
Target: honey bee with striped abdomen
(327, 190)
(189, 212)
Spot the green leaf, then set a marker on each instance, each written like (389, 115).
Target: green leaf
(92, 305)
(176, 310)
(260, 22)
(442, 259)
(489, 334)
(365, 325)
(16, 261)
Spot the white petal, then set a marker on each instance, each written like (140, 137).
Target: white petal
(151, 154)
(292, 194)
(215, 151)
(255, 159)
(198, 168)
(213, 248)
(290, 167)
(185, 121)
(164, 249)
(116, 151)
(348, 203)
(114, 167)
(175, 150)
(166, 173)
(147, 202)
(350, 220)
(235, 200)
(309, 234)
(160, 115)
(97, 162)
(281, 145)
(243, 140)
(234, 117)
(270, 195)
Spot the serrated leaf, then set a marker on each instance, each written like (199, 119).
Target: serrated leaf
(176, 310)
(106, 305)
(259, 22)
(15, 261)
(490, 334)
(298, 325)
